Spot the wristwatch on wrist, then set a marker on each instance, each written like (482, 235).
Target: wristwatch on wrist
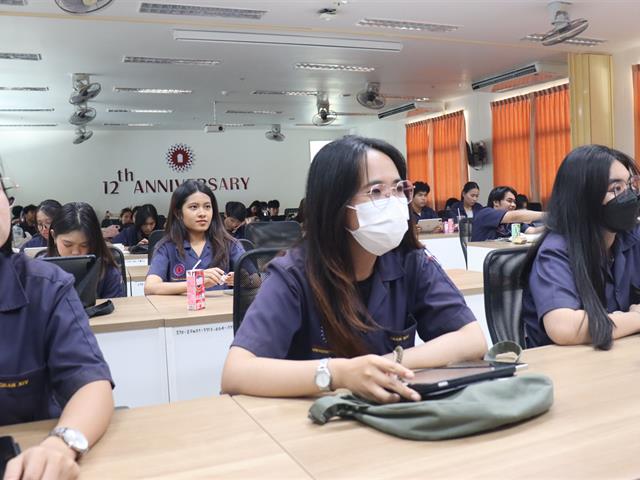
(323, 376)
(74, 439)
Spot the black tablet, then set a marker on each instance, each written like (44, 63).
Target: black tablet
(429, 382)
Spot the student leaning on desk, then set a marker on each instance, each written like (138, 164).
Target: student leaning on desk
(360, 284)
(50, 362)
(583, 274)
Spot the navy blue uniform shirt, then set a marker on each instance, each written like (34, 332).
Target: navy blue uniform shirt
(170, 266)
(425, 214)
(47, 350)
(111, 284)
(409, 293)
(35, 242)
(457, 209)
(128, 236)
(487, 225)
(552, 284)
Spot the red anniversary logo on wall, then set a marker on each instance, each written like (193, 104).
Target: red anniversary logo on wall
(180, 157)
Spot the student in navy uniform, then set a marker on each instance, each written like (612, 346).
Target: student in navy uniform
(44, 216)
(468, 206)
(146, 219)
(126, 217)
(75, 230)
(194, 234)
(522, 202)
(234, 220)
(359, 285)
(584, 272)
(274, 208)
(418, 206)
(28, 223)
(50, 363)
(495, 220)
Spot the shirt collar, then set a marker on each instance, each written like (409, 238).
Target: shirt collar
(626, 240)
(13, 294)
(389, 266)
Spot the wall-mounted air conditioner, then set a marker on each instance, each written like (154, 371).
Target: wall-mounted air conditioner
(526, 76)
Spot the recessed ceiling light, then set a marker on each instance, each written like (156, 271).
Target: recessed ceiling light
(255, 112)
(333, 67)
(251, 38)
(129, 124)
(165, 91)
(295, 93)
(231, 125)
(406, 25)
(198, 11)
(27, 109)
(20, 56)
(14, 3)
(24, 89)
(28, 125)
(583, 41)
(170, 61)
(408, 97)
(138, 110)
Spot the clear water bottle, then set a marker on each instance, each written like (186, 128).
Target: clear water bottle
(18, 233)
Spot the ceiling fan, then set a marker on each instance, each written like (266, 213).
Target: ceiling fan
(82, 115)
(326, 116)
(82, 135)
(84, 89)
(371, 97)
(563, 27)
(82, 6)
(275, 134)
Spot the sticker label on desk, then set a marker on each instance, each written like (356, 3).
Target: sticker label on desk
(202, 330)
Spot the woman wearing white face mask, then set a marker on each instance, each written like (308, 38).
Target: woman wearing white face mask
(359, 285)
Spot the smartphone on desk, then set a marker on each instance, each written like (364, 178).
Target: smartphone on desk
(8, 449)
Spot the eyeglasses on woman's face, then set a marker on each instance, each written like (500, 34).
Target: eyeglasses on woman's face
(380, 193)
(616, 187)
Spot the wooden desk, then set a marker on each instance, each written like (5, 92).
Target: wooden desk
(590, 432)
(131, 259)
(133, 342)
(207, 438)
(467, 281)
(137, 275)
(197, 343)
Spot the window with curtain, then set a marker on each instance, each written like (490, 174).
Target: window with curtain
(531, 137)
(635, 72)
(436, 154)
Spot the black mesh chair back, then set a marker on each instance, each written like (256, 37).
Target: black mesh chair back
(280, 235)
(464, 228)
(444, 214)
(249, 274)
(118, 256)
(246, 244)
(154, 238)
(503, 286)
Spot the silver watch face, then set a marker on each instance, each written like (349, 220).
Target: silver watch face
(75, 440)
(323, 380)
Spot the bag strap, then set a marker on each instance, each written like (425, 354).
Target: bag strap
(325, 408)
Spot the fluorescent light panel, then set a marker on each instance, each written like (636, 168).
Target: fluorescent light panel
(408, 97)
(138, 110)
(199, 11)
(129, 124)
(231, 125)
(14, 3)
(24, 89)
(333, 67)
(250, 38)
(295, 93)
(20, 56)
(28, 125)
(27, 109)
(164, 91)
(170, 61)
(407, 25)
(254, 112)
(583, 41)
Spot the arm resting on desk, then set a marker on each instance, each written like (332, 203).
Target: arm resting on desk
(522, 216)
(154, 285)
(566, 326)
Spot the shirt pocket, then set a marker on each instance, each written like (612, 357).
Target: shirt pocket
(23, 397)
(404, 338)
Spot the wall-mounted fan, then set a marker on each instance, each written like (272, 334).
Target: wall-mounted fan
(82, 6)
(82, 115)
(275, 134)
(84, 89)
(82, 135)
(371, 97)
(563, 27)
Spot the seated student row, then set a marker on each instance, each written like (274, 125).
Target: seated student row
(305, 310)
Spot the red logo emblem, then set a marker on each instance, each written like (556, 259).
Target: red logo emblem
(178, 270)
(180, 157)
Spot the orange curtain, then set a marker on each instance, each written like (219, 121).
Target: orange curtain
(635, 69)
(511, 125)
(417, 151)
(552, 136)
(449, 157)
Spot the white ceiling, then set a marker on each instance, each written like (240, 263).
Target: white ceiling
(439, 66)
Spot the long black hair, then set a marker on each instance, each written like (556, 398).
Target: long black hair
(498, 194)
(575, 212)
(142, 214)
(80, 216)
(334, 178)
(176, 231)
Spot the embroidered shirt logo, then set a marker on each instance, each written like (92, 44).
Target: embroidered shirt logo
(179, 270)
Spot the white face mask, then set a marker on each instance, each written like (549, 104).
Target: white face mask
(381, 229)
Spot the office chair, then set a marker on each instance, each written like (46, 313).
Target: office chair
(154, 238)
(246, 244)
(249, 273)
(118, 256)
(465, 228)
(280, 235)
(503, 286)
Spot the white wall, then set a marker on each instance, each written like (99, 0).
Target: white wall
(47, 165)
(623, 99)
(391, 131)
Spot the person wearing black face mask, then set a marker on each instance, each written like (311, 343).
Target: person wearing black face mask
(582, 279)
